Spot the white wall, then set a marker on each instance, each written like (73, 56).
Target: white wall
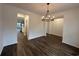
(35, 27)
(9, 26)
(1, 38)
(56, 27)
(71, 27)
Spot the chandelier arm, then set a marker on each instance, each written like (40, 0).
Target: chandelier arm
(48, 7)
(54, 10)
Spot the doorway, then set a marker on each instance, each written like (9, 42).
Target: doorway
(23, 24)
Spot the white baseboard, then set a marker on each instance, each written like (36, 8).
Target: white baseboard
(35, 37)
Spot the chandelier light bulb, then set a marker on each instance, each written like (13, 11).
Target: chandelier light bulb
(48, 15)
(42, 17)
(53, 16)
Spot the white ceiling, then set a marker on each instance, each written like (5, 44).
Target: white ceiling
(40, 8)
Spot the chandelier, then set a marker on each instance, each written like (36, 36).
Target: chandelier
(47, 17)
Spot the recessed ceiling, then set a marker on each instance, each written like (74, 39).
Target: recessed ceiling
(40, 8)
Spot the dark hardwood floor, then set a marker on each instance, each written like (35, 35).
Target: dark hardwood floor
(9, 50)
(43, 46)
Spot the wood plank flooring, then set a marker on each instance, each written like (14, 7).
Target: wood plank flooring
(43, 46)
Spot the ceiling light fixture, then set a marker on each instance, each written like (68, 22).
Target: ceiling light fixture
(47, 17)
